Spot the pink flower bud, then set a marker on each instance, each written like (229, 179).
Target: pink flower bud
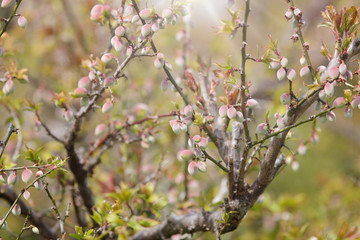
(158, 63)
(3, 177)
(27, 175)
(155, 27)
(193, 168)
(107, 107)
(348, 112)
(109, 81)
(302, 148)
(84, 82)
(16, 210)
(355, 101)
(121, 31)
(281, 73)
(321, 69)
(342, 68)
(334, 72)
(100, 129)
(302, 60)
(284, 61)
(239, 116)
(26, 195)
(279, 120)
(146, 30)
(22, 21)
(291, 74)
(35, 230)
(223, 111)
(274, 65)
(96, 12)
(107, 57)
(297, 12)
(196, 138)
(231, 112)
(135, 19)
(322, 95)
(329, 89)
(4, 226)
(330, 116)
(79, 92)
(129, 10)
(261, 128)
(202, 166)
(285, 98)
(12, 179)
(188, 110)
(167, 13)
(37, 125)
(92, 75)
(38, 185)
(6, 3)
(39, 173)
(168, 66)
(203, 143)
(252, 103)
(147, 13)
(9, 87)
(175, 126)
(304, 71)
(339, 102)
(349, 75)
(295, 166)
(180, 35)
(117, 44)
(185, 155)
(288, 14)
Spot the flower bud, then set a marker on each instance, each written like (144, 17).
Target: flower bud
(185, 155)
(252, 103)
(175, 126)
(107, 107)
(107, 57)
(348, 112)
(109, 81)
(281, 73)
(339, 102)
(147, 13)
(100, 129)
(167, 13)
(223, 111)
(297, 12)
(22, 21)
(27, 175)
(288, 14)
(9, 87)
(158, 63)
(193, 168)
(349, 75)
(239, 116)
(92, 75)
(155, 27)
(79, 92)
(291, 74)
(35, 230)
(342, 68)
(188, 110)
(330, 116)
(3, 177)
(304, 71)
(295, 166)
(274, 65)
(164, 85)
(117, 44)
(302, 148)
(284, 61)
(4, 226)
(146, 30)
(180, 35)
(121, 31)
(129, 10)
(329, 89)
(135, 19)
(231, 112)
(96, 12)
(355, 101)
(84, 82)
(38, 185)
(6, 3)
(16, 210)
(302, 60)
(202, 166)
(322, 118)
(203, 143)
(26, 195)
(261, 128)
(12, 179)
(285, 98)
(334, 72)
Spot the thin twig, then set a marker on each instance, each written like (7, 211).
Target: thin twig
(6, 138)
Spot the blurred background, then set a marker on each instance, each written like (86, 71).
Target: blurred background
(318, 198)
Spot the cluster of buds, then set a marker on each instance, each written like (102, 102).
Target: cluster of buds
(231, 112)
(282, 71)
(194, 155)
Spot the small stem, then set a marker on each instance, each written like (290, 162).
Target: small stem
(22, 168)
(6, 138)
(217, 163)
